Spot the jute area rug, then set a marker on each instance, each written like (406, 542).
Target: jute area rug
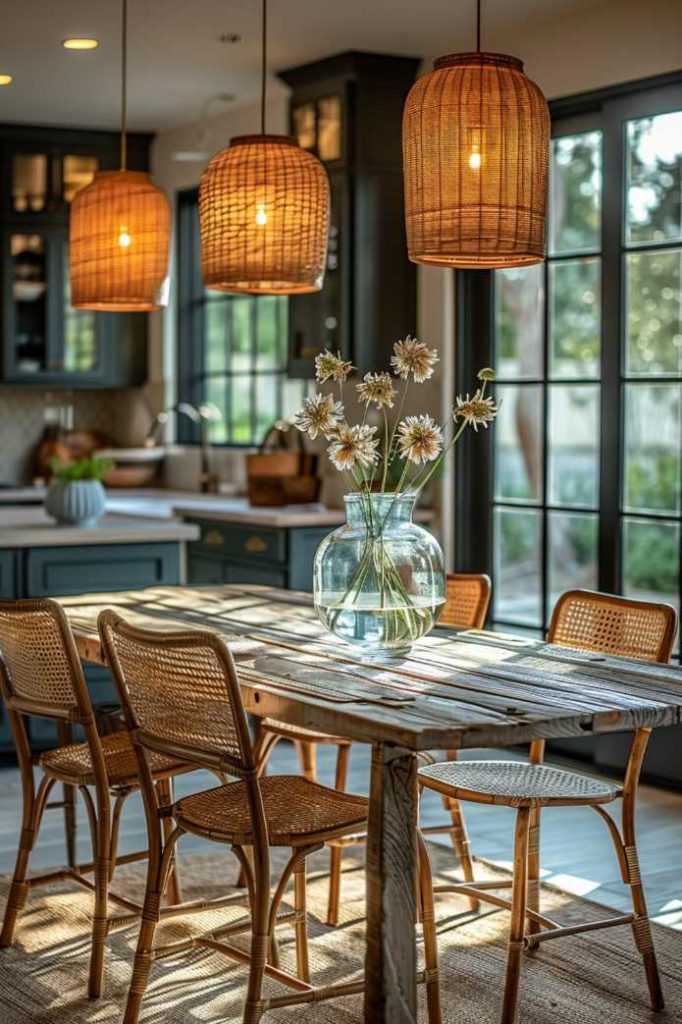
(591, 979)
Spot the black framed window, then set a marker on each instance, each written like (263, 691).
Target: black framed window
(581, 484)
(232, 349)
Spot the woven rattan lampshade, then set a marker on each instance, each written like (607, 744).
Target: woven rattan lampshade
(476, 159)
(264, 218)
(119, 238)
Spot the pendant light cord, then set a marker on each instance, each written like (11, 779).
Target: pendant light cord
(264, 66)
(124, 90)
(478, 26)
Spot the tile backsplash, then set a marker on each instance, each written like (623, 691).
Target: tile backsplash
(23, 417)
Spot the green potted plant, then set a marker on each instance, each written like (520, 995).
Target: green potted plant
(76, 496)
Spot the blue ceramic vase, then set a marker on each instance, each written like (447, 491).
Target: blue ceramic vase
(77, 503)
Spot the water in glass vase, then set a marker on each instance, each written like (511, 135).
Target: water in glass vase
(380, 630)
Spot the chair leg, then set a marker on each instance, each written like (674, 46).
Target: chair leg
(641, 929)
(536, 756)
(307, 753)
(70, 824)
(173, 892)
(260, 939)
(264, 744)
(510, 1002)
(336, 852)
(115, 831)
(429, 931)
(460, 841)
(99, 822)
(31, 817)
(143, 956)
(99, 924)
(301, 927)
(158, 870)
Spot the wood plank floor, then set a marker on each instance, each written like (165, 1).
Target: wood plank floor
(587, 868)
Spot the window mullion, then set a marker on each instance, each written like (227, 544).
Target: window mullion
(611, 454)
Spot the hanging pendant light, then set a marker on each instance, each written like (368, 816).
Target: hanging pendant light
(476, 162)
(264, 213)
(119, 234)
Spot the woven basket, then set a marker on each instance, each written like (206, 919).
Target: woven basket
(282, 476)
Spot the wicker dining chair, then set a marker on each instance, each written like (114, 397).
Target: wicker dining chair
(467, 598)
(41, 675)
(593, 622)
(181, 697)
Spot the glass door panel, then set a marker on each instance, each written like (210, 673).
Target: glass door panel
(80, 343)
(304, 122)
(29, 342)
(651, 484)
(653, 299)
(519, 311)
(575, 318)
(77, 172)
(547, 344)
(30, 182)
(329, 128)
(517, 594)
(575, 194)
(654, 179)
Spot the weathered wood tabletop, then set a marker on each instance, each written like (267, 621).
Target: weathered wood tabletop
(455, 690)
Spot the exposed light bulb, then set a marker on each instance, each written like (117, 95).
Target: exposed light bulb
(475, 160)
(124, 238)
(261, 215)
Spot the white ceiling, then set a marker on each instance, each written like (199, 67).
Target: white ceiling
(178, 65)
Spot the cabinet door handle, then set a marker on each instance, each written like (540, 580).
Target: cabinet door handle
(255, 543)
(214, 538)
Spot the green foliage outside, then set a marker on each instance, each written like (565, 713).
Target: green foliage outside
(652, 346)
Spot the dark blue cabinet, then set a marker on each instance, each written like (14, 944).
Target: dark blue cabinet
(45, 340)
(49, 572)
(88, 569)
(8, 575)
(233, 553)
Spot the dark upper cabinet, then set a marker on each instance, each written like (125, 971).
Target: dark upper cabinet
(45, 340)
(347, 109)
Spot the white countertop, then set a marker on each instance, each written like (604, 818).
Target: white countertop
(158, 504)
(238, 510)
(29, 526)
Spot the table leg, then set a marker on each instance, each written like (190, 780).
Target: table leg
(391, 957)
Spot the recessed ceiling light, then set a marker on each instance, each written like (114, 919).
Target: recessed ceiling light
(80, 44)
(6, 79)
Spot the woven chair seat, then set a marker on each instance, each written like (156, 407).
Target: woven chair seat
(73, 763)
(297, 732)
(516, 784)
(298, 812)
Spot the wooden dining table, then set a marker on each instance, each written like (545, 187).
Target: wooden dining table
(455, 690)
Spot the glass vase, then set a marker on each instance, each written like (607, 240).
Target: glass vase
(379, 581)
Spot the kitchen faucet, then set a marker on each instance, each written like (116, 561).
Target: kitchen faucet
(204, 415)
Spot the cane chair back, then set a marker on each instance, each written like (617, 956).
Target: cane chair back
(41, 672)
(615, 625)
(180, 694)
(467, 597)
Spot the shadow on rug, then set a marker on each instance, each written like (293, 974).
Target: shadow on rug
(592, 979)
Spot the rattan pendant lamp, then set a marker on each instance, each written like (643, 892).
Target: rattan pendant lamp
(476, 160)
(119, 233)
(264, 213)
